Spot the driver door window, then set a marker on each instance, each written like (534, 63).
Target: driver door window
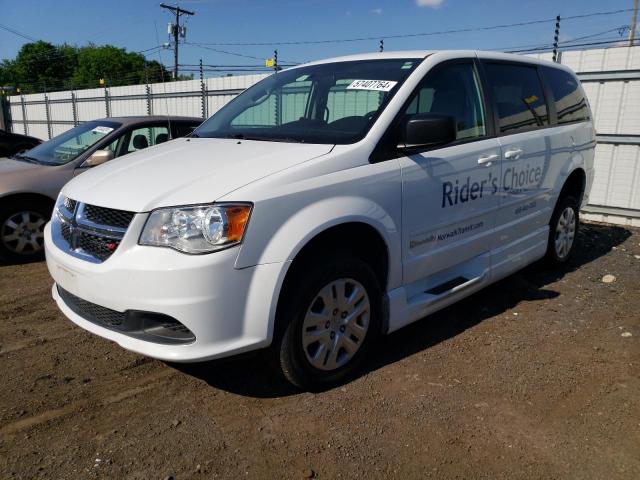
(453, 90)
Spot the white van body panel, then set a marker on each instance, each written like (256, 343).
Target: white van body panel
(299, 190)
(186, 171)
(317, 196)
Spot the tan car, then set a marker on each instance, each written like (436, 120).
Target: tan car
(30, 181)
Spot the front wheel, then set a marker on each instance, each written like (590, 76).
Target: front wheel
(563, 230)
(332, 315)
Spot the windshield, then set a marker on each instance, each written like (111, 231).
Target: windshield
(327, 103)
(69, 145)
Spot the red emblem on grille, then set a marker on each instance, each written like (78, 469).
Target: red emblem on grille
(112, 246)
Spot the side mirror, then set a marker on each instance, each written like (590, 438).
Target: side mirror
(427, 129)
(98, 158)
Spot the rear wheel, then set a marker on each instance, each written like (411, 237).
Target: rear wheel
(331, 317)
(22, 231)
(563, 229)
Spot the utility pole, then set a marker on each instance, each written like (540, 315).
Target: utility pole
(555, 39)
(174, 29)
(634, 21)
(381, 45)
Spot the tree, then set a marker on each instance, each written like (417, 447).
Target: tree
(41, 66)
(116, 66)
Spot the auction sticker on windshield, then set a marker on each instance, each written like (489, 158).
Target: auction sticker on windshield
(101, 129)
(377, 85)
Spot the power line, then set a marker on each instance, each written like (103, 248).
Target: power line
(197, 65)
(538, 45)
(601, 43)
(236, 54)
(423, 34)
(20, 34)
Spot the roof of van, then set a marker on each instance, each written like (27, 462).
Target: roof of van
(420, 54)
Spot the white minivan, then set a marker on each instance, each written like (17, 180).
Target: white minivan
(326, 205)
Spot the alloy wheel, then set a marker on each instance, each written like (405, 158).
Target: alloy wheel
(23, 232)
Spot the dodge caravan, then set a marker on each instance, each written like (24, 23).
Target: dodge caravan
(327, 205)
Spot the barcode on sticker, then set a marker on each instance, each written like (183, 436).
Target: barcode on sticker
(377, 85)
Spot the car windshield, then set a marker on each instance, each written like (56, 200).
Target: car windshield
(69, 145)
(331, 103)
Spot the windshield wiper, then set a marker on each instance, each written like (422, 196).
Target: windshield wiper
(287, 139)
(242, 136)
(238, 136)
(26, 158)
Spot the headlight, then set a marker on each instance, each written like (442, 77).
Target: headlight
(196, 229)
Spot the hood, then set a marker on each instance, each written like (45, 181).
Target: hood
(17, 176)
(186, 171)
(9, 166)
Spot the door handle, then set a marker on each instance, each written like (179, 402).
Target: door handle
(515, 153)
(487, 159)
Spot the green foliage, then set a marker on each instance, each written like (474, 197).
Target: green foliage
(41, 66)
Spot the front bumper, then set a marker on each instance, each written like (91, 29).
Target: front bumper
(228, 310)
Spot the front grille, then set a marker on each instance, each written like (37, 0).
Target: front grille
(92, 312)
(90, 232)
(65, 229)
(108, 216)
(97, 246)
(149, 326)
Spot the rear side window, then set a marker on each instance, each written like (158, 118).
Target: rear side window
(519, 97)
(568, 96)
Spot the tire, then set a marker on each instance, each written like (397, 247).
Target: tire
(22, 230)
(327, 329)
(563, 230)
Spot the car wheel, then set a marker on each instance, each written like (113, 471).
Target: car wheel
(563, 230)
(332, 318)
(22, 231)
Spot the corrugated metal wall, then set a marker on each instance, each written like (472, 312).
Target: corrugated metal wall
(611, 78)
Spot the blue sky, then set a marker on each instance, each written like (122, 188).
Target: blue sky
(133, 24)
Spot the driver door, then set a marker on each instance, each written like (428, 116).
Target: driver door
(449, 192)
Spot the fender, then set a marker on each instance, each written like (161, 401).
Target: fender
(300, 228)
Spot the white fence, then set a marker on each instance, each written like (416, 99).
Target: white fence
(45, 115)
(611, 78)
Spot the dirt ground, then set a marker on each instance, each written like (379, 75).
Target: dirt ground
(537, 376)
